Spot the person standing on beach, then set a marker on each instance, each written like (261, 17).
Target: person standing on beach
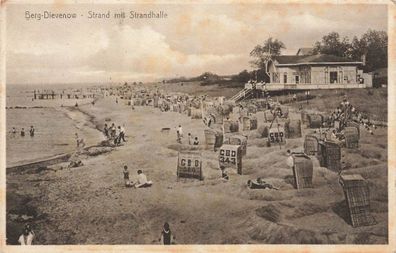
(122, 134)
(180, 129)
(117, 136)
(178, 139)
(106, 130)
(113, 130)
(290, 159)
(126, 176)
(166, 235)
(77, 140)
(190, 139)
(31, 131)
(27, 236)
(22, 132)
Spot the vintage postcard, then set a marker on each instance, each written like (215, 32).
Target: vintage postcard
(197, 126)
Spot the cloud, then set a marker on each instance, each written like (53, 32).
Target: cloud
(194, 39)
(144, 50)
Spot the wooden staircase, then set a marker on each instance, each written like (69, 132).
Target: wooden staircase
(242, 95)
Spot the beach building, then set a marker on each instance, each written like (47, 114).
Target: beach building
(308, 71)
(316, 72)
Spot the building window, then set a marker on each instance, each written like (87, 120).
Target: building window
(333, 76)
(285, 78)
(275, 77)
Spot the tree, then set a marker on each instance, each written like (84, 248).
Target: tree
(332, 44)
(374, 45)
(262, 53)
(242, 77)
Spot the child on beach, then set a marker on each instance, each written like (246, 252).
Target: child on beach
(224, 175)
(196, 142)
(178, 139)
(166, 235)
(22, 132)
(190, 139)
(106, 130)
(126, 177)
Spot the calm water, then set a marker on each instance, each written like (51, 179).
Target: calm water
(55, 126)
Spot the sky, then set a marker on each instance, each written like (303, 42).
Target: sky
(194, 38)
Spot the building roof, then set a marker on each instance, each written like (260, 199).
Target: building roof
(353, 177)
(311, 59)
(305, 51)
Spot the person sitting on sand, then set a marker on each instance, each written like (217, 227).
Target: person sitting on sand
(31, 131)
(166, 235)
(22, 132)
(27, 236)
(142, 180)
(224, 174)
(196, 142)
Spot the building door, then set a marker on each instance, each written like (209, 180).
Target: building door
(333, 77)
(297, 79)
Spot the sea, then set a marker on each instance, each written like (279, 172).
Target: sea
(55, 122)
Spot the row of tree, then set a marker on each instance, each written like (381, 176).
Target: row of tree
(373, 45)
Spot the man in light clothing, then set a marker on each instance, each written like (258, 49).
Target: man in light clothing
(290, 160)
(142, 180)
(180, 129)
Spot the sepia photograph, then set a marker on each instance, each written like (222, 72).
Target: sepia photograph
(197, 123)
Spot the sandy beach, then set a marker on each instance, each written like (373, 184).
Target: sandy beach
(91, 205)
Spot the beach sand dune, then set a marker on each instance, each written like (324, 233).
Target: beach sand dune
(90, 205)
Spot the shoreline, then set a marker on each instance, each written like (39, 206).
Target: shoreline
(47, 160)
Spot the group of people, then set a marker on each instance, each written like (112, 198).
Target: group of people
(141, 180)
(23, 132)
(342, 114)
(117, 134)
(190, 138)
(80, 142)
